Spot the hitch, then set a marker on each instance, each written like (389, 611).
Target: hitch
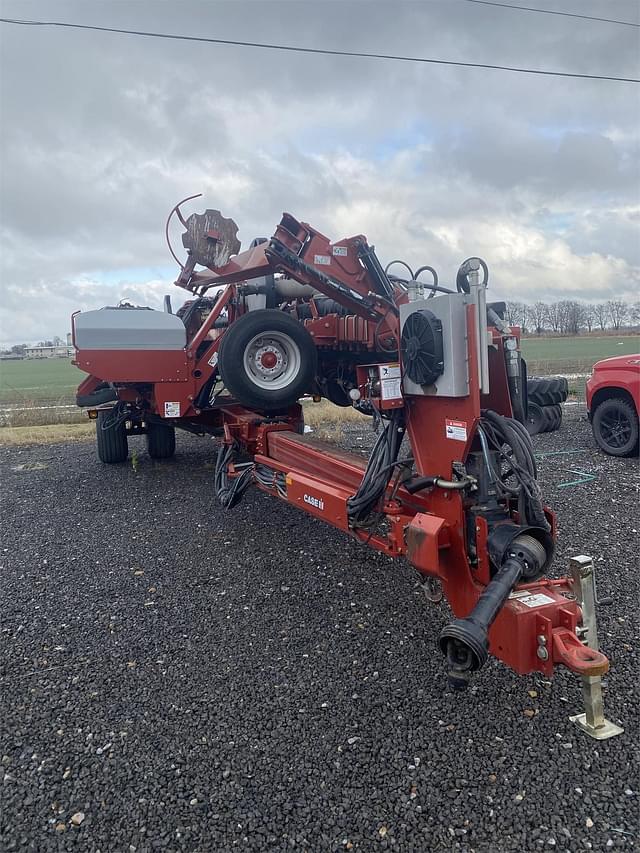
(593, 721)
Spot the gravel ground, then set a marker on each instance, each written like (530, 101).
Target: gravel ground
(178, 677)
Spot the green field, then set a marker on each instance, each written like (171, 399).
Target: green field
(574, 355)
(38, 379)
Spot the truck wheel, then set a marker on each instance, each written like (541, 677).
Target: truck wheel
(267, 359)
(111, 438)
(161, 441)
(615, 427)
(535, 419)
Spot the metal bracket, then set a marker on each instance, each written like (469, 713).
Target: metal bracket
(593, 721)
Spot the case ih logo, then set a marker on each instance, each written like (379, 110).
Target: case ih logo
(316, 502)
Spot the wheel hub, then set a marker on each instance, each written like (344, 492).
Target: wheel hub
(272, 360)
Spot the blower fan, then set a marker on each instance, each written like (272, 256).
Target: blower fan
(421, 347)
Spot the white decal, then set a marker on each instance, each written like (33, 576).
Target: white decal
(457, 430)
(213, 360)
(536, 600)
(389, 371)
(390, 389)
(341, 251)
(322, 260)
(318, 503)
(172, 410)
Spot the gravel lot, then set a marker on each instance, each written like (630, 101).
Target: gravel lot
(194, 679)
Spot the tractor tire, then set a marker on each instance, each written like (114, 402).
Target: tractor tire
(267, 360)
(535, 419)
(615, 427)
(112, 441)
(161, 440)
(552, 417)
(547, 392)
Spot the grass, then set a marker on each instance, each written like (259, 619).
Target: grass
(49, 434)
(39, 379)
(546, 356)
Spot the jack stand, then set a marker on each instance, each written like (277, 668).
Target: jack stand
(593, 721)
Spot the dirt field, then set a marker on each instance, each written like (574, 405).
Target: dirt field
(196, 679)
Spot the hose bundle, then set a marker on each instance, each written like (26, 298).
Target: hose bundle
(229, 491)
(378, 472)
(513, 443)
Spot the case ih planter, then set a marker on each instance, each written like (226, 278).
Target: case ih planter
(437, 369)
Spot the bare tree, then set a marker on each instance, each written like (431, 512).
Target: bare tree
(601, 313)
(525, 313)
(589, 314)
(553, 317)
(574, 316)
(513, 313)
(634, 313)
(538, 314)
(618, 312)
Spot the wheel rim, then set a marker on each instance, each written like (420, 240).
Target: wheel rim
(615, 429)
(272, 360)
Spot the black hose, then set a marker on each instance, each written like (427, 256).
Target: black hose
(501, 433)
(378, 473)
(229, 491)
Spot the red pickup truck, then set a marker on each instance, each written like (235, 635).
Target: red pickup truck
(613, 403)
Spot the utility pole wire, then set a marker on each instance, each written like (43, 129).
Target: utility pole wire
(553, 12)
(317, 50)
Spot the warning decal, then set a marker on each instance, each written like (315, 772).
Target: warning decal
(390, 381)
(322, 260)
(536, 600)
(340, 251)
(172, 410)
(456, 430)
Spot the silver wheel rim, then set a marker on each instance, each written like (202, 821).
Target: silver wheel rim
(272, 360)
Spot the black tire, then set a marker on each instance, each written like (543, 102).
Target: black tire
(242, 360)
(615, 427)
(552, 417)
(548, 392)
(161, 440)
(112, 441)
(535, 419)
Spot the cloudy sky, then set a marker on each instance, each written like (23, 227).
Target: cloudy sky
(103, 133)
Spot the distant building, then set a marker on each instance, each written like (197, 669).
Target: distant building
(49, 352)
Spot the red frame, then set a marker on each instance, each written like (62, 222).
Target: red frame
(427, 528)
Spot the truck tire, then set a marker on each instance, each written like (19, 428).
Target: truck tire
(548, 392)
(161, 440)
(111, 438)
(535, 419)
(267, 360)
(615, 427)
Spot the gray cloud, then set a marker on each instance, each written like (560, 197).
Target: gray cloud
(104, 133)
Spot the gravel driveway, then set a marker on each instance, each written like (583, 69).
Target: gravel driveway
(179, 677)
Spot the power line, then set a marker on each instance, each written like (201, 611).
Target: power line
(317, 50)
(553, 12)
